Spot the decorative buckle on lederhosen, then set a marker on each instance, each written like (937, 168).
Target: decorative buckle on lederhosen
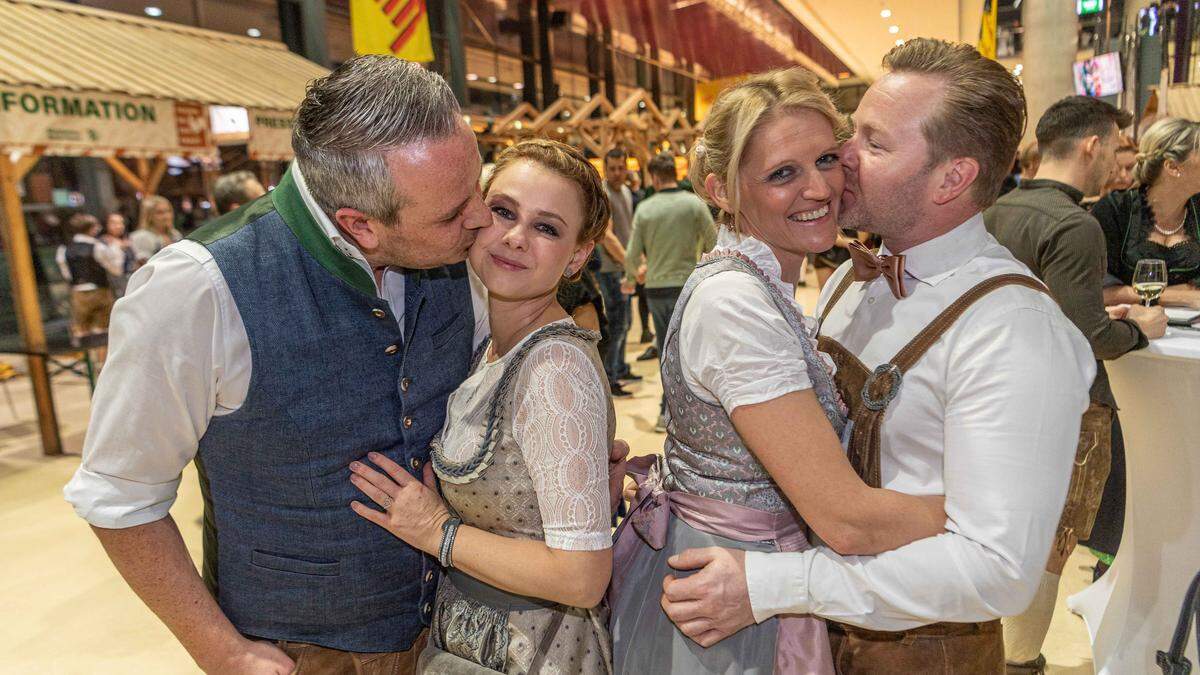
(897, 377)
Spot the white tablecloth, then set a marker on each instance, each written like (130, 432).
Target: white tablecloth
(1131, 611)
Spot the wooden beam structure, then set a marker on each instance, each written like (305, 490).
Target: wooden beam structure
(25, 164)
(152, 179)
(25, 298)
(126, 174)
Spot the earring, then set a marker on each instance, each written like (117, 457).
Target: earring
(568, 273)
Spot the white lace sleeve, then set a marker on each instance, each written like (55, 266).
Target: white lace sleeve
(561, 424)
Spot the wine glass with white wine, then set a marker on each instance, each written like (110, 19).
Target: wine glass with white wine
(1150, 279)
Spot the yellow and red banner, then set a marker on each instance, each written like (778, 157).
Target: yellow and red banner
(987, 28)
(397, 27)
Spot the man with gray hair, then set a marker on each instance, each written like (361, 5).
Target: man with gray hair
(233, 190)
(275, 346)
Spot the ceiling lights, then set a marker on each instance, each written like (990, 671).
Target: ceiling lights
(153, 11)
(893, 29)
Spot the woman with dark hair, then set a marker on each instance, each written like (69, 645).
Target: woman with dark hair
(522, 459)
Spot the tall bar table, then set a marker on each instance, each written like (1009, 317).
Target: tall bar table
(1131, 611)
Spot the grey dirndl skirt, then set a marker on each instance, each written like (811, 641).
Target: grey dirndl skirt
(645, 640)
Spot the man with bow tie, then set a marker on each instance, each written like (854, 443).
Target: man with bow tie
(963, 378)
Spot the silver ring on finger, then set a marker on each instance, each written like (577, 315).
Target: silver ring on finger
(387, 503)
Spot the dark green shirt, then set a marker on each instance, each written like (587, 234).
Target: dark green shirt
(1043, 225)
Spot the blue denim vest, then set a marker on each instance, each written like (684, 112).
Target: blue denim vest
(333, 377)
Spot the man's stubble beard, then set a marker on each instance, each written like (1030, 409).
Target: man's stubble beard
(887, 219)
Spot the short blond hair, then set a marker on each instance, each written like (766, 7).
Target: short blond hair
(738, 112)
(981, 114)
(1171, 138)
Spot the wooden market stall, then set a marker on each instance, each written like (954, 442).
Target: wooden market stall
(78, 82)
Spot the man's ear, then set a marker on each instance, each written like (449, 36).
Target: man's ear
(359, 227)
(715, 187)
(957, 176)
(1089, 145)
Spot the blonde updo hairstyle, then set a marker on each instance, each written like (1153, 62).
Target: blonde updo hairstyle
(570, 164)
(737, 114)
(1173, 138)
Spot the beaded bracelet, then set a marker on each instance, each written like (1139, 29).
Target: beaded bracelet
(449, 532)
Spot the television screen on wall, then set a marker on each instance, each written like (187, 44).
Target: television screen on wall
(1099, 76)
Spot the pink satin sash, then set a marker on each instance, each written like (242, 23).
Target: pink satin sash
(803, 643)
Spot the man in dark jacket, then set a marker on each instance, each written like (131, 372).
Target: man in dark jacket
(1043, 225)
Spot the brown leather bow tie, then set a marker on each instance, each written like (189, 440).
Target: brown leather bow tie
(868, 266)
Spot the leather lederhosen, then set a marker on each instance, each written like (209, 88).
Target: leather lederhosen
(959, 648)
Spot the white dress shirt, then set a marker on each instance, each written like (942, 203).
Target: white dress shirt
(735, 348)
(112, 259)
(178, 356)
(989, 417)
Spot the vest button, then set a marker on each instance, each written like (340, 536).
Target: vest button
(404, 383)
(427, 609)
(429, 576)
(378, 313)
(407, 422)
(414, 463)
(391, 349)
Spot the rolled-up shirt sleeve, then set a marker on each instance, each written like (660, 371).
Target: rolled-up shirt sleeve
(1014, 396)
(157, 392)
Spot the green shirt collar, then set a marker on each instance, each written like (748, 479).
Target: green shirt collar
(289, 202)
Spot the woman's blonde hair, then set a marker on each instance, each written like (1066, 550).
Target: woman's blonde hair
(146, 210)
(738, 112)
(569, 163)
(1172, 138)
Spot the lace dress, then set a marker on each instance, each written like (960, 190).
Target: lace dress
(524, 454)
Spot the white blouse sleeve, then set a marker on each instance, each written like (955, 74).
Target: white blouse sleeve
(561, 425)
(736, 348)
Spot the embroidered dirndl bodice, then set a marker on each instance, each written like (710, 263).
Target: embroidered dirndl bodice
(486, 480)
(704, 454)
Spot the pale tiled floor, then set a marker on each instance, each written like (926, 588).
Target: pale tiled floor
(64, 609)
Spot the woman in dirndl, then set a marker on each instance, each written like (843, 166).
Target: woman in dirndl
(753, 458)
(522, 460)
